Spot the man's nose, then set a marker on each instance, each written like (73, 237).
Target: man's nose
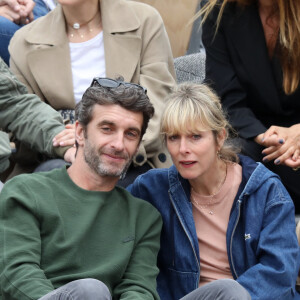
(118, 141)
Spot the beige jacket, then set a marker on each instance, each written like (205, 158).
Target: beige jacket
(136, 47)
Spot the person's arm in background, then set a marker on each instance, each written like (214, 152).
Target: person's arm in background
(31, 120)
(5, 151)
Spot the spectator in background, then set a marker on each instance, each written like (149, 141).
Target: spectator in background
(228, 222)
(253, 62)
(16, 13)
(57, 57)
(31, 120)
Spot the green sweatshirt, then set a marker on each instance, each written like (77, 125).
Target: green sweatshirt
(54, 232)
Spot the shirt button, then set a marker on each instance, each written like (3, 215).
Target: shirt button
(162, 157)
(139, 158)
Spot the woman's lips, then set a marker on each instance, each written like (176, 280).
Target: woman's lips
(187, 163)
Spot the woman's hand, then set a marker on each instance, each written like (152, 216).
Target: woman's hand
(13, 4)
(282, 145)
(20, 12)
(26, 11)
(10, 14)
(66, 137)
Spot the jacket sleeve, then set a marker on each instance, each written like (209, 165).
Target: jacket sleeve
(139, 279)
(221, 75)
(157, 74)
(274, 274)
(20, 255)
(5, 151)
(31, 120)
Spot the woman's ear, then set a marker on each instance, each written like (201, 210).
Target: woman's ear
(221, 138)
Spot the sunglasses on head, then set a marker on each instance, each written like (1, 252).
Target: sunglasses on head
(112, 83)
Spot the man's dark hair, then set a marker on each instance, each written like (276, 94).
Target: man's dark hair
(128, 96)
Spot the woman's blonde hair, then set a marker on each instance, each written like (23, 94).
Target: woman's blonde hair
(288, 12)
(192, 108)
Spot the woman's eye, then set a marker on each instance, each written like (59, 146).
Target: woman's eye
(196, 136)
(172, 137)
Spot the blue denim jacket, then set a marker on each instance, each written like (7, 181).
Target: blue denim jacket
(262, 246)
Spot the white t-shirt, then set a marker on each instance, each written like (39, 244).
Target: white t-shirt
(50, 3)
(87, 62)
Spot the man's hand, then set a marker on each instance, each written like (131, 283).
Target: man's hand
(282, 145)
(70, 155)
(66, 137)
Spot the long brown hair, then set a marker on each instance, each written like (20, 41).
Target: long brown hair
(289, 35)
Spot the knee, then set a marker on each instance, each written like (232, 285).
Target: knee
(222, 289)
(40, 9)
(7, 27)
(90, 288)
(230, 289)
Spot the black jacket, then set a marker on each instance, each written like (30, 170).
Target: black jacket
(247, 80)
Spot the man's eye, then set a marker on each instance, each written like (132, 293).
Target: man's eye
(132, 134)
(105, 128)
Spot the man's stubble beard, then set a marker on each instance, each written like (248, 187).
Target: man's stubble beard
(92, 157)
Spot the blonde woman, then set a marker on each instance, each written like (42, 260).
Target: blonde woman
(253, 62)
(228, 222)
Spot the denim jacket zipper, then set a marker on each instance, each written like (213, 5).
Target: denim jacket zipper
(231, 238)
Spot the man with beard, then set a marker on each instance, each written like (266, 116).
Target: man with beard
(72, 233)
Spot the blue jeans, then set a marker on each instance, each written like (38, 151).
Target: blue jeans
(8, 28)
(223, 289)
(87, 289)
(49, 165)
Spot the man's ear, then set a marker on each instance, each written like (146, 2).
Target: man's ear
(79, 133)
